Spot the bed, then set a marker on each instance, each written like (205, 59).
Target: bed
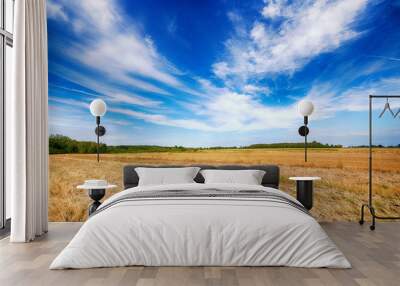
(198, 224)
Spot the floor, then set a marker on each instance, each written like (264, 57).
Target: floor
(375, 257)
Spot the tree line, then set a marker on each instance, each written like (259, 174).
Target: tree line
(60, 144)
(313, 144)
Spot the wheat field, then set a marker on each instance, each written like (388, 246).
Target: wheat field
(337, 197)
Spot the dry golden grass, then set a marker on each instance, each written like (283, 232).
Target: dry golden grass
(338, 195)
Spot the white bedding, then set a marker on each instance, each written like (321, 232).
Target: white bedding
(200, 231)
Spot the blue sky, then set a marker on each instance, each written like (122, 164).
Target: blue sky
(208, 73)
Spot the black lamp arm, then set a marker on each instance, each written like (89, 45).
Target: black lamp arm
(98, 140)
(305, 137)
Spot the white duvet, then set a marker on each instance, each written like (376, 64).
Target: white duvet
(200, 231)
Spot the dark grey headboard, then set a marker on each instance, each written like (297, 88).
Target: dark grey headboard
(271, 177)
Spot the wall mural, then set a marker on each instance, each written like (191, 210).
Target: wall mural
(192, 82)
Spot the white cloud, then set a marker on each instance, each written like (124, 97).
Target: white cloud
(255, 89)
(56, 11)
(71, 102)
(307, 30)
(120, 122)
(356, 98)
(259, 35)
(164, 120)
(387, 58)
(74, 90)
(93, 16)
(328, 100)
(113, 46)
(123, 57)
(114, 94)
(227, 110)
(232, 111)
(272, 9)
(136, 100)
(221, 69)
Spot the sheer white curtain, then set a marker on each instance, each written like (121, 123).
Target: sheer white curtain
(27, 122)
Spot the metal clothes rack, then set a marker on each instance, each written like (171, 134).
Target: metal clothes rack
(370, 201)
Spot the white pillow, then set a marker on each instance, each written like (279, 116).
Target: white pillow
(248, 177)
(166, 176)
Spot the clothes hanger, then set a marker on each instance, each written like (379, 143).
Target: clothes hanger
(397, 113)
(387, 107)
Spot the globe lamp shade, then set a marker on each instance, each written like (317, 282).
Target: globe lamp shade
(305, 107)
(98, 107)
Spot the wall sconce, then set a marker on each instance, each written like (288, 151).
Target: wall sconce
(98, 108)
(305, 108)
